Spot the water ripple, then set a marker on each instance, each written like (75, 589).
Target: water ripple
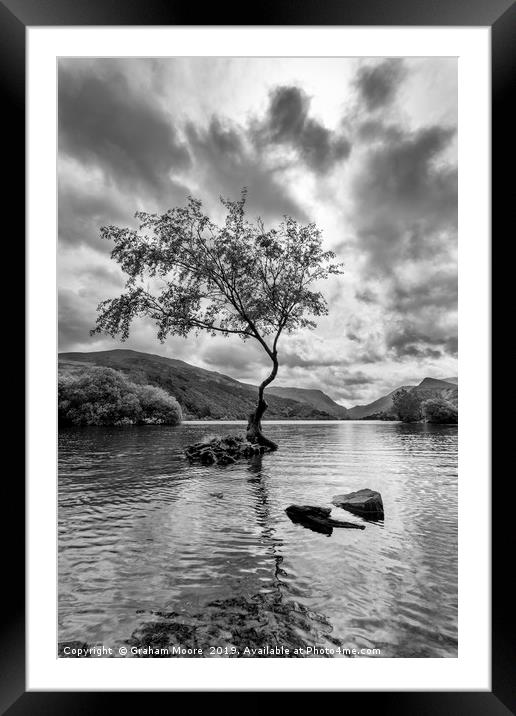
(140, 531)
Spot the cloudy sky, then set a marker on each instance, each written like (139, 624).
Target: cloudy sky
(364, 147)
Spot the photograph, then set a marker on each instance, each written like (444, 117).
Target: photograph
(257, 404)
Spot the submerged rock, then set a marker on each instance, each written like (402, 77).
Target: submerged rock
(256, 626)
(317, 519)
(224, 450)
(366, 503)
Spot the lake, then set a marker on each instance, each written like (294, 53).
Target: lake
(153, 550)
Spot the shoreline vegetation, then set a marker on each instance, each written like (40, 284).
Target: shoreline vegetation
(103, 396)
(125, 387)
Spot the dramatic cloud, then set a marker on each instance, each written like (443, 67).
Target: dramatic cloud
(431, 341)
(82, 210)
(439, 290)
(103, 122)
(287, 122)
(404, 197)
(226, 162)
(405, 214)
(74, 323)
(378, 84)
(366, 149)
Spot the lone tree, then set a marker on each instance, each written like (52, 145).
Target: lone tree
(236, 278)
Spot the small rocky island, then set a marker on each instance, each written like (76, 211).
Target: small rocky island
(224, 450)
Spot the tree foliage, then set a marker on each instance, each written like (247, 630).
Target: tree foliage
(236, 278)
(407, 404)
(103, 396)
(438, 410)
(188, 274)
(414, 405)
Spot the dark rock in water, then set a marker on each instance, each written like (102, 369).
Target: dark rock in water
(366, 503)
(303, 511)
(207, 457)
(317, 519)
(218, 495)
(226, 459)
(224, 451)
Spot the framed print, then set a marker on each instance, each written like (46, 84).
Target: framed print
(258, 269)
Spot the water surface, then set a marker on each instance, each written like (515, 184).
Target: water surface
(141, 530)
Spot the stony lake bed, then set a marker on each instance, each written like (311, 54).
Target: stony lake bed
(157, 553)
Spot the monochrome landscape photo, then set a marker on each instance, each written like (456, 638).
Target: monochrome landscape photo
(258, 383)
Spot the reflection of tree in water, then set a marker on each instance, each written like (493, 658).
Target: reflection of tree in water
(269, 618)
(259, 487)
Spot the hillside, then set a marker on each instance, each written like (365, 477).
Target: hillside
(435, 384)
(434, 387)
(381, 405)
(202, 394)
(439, 388)
(205, 394)
(316, 398)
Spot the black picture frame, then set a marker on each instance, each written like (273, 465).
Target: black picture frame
(15, 17)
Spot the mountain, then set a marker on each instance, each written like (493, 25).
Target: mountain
(208, 394)
(455, 380)
(381, 405)
(439, 389)
(201, 393)
(434, 387)
(435, 384)
(315, 398)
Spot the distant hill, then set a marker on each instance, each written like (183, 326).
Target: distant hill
(381, 405)
(202, 394)
(315, 398)
(435, 384)
(440, 389)
(205, 394)
(455, 380)
(435, 387)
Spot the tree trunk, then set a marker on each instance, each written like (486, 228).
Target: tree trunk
(254, 426)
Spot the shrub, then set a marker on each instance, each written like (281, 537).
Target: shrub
(103, 396)
(158, 406)
(438, 410)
